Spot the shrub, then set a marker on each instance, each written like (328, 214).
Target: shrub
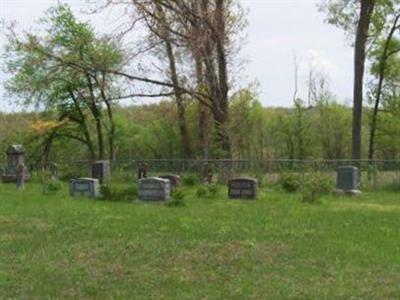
(208, 191)
(212, 190)
(125, 194)
(190, 180)
(178, 199)
(260, 179)
(290, 182)
(315, 185)
(51, 187)
(201, 192)
(392, 187)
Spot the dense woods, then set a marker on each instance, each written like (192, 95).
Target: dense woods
(76, 78)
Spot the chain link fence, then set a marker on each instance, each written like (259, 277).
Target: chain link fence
(375, 174)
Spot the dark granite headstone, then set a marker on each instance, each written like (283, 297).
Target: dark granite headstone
(15, 155)
(348, 179)
(88, 187)
(154, 189)
(101, 170)
(174, 180)
(242, 188)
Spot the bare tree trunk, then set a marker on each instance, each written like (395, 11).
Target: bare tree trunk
(217, 76)
(111, 133)
(83, 124)
(185, 137)
(223, 117)
(367, 7)
(180, 105)
(382, 69)
(196, 45)
(97, 118)
(203, 114)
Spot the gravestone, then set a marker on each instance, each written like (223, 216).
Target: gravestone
(88, 187)
(174, 180)
(348, 179)
(242, 188)
(154, 189)
(101, 170)
(15, 154)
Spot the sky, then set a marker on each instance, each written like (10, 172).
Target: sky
(278, 31)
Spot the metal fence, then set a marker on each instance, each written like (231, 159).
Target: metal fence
(374, 174)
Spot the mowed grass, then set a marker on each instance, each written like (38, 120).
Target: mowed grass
(53, 246)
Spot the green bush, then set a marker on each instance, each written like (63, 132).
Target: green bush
(178, 199)
(190, 180)
(212, 190)
(201, 192)
(315, 185)
(51, 187)
(290, 182)
(115, 193)
(391, 187)
(208, 191)
(260, 179)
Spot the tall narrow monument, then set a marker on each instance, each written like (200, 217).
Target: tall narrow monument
(15, 155)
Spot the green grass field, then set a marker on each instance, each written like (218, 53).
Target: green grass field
(53, 246)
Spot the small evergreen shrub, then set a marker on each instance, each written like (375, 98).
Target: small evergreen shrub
(51, 187)
(178, 199)
(201, 192)
(212, 190)
(290, 182)
(208, 191)
(315, 185)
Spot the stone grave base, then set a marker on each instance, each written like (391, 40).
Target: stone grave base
(352, 193)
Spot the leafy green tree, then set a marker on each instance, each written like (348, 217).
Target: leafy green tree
(57, 69)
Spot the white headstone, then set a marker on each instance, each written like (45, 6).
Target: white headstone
(154, 189)
(88, 187)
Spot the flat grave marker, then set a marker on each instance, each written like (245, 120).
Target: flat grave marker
(154, 189)
(87, 187)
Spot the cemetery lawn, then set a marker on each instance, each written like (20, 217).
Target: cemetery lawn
(52, 246)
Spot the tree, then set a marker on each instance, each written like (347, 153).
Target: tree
(216, 23)
(343, 14)
(60, 69)
(383, 52)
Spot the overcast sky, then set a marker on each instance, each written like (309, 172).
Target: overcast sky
(278, 30)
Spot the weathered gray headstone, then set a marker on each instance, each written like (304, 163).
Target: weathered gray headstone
(174, 180)
(88, 187)
(154, 189)
(348, 180)
(242, 188)
(15, 155)
(101, 170)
